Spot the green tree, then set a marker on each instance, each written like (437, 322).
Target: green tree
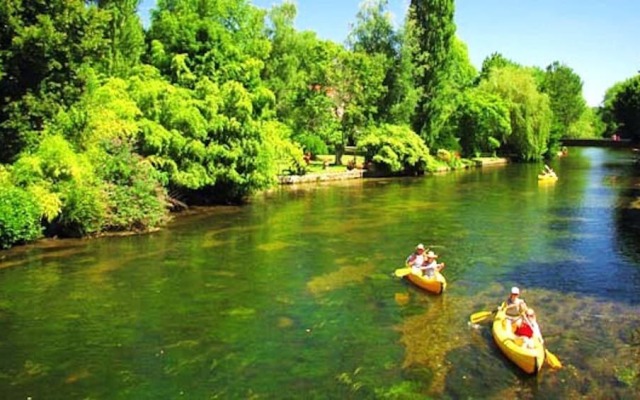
(434, 31)
(403, 93)
(286, 73)
(125, 34)
(209, 137)
(315, 112)
(19, 214)
(45, 47)
(529, 110)
(588, 126)
(357, 86)
(374, 34)
(460, 76)
(482, 122)
(494, 60)
(564, 88)
(621, 109)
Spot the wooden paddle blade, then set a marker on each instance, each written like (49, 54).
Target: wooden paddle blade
(400, 272)
(480, 316)
(552, 360)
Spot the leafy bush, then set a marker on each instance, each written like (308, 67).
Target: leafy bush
(396, 150)
(280, 152)
(83, 211)
(134, 196)
(312, 144)
(64, 185)
(19, 216)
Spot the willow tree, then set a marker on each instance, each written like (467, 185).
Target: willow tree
(433, 27)
(481, 121)
(529, 111)
(494, 60)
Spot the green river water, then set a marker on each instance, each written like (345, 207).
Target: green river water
(292, 296)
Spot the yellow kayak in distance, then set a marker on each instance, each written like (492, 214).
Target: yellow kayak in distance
(436, 284)
(547, 178)
(529, 360)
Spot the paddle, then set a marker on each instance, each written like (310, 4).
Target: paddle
(552, 360)
(400, 272)
(481, 316)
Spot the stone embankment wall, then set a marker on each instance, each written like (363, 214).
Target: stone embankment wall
(361, 173)
(320, 177)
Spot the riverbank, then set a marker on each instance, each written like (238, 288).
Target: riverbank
(316, 177)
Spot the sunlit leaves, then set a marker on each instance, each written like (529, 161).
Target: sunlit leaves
(481, 121)
(395, 149)
(621, 109)
(44, 48)
(529, 110)
(564, 88)
(434, 30)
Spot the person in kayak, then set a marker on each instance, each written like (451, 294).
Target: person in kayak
(515, 307)
(430, 265)
(547, 171)
(416, 260)
(528, 329)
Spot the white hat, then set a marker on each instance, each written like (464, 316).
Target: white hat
(420, 247)
(515, 290)
(431, 254)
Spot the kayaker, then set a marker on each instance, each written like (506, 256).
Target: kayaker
(548, 171)
(529, 329)
(515, 307)
(416, 259)
(430, 265)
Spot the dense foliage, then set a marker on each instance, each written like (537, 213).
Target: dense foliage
(395, 149)
(433, 28)
(106, 126)
(564, 88)
(621, 109)
(19, 215)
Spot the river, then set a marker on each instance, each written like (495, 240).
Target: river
(292, 296)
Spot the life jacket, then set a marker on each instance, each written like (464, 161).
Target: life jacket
(524, 330)
(513, 307)
(415, 260)
(430, 269)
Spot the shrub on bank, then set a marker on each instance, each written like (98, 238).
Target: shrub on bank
(395, 150)
(19, 216)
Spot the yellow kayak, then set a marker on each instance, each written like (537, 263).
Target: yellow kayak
(436, 284)
(549, 178)
(530, 360)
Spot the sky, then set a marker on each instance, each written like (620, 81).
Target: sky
(595, 38)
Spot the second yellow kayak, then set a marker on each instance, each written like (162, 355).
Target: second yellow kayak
(437, 284)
